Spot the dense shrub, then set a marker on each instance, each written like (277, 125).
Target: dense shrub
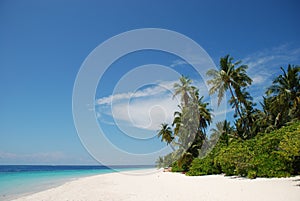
(275, 154)
(234, 159)
(203, 166)
(207, 165)
(183, 163)
(176, 168)
(289, 148)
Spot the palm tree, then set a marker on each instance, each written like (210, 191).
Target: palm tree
(284, 94)
(165, 133)
(205, 116)
(229, 78)
(193, 119)
(183, 88)
(265, 117)
(234, 79)
(177, 122)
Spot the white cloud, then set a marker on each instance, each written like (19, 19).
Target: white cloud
(265, 65)
(146, 113)
(222, 112)
(178, 63)
(145, 109)
(160, 88)
(193, 60)
(258, 79)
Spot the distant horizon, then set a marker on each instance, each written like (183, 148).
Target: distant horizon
(77, 165)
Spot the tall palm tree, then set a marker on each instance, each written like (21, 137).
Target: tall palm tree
(205, 115)
(195, 117)
(229, 78)
(166, 134)
(183, 88)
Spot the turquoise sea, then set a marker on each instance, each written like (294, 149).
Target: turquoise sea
(18, 180)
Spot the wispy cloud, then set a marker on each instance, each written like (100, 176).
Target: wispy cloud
(178, 62)
(160, 88)
(222, 112)
(265, 65)
(145, 109)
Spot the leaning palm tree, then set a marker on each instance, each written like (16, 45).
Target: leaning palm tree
(229, 78)
(183, 88)
(166, 134)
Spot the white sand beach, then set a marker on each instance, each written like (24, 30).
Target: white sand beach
(164, 186)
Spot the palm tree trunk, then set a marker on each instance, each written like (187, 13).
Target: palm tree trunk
(185, 99)
(240, 114)
(235, 103)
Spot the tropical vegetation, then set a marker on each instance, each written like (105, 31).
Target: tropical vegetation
(259, 142)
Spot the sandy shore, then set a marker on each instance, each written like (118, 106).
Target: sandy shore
(163, 186)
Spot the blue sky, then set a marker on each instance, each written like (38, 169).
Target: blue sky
(44, 43)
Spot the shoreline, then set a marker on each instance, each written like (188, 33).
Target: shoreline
(160, 186)
(43, 187)
(22, 180)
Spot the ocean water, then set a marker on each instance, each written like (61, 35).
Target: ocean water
(18, 180)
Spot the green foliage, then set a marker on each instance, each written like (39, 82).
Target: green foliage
(262, 143)
(283, 97)
(252, 174)
(205, 166)
(234, 159)
(188, 130)
(289, 148)
(165, 133)
(233, 77)
(176, 168)
(275, 154)
(184, 162)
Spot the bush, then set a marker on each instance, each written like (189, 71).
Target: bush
(289, 149)
(235, 159)
(176, 168)
(252, 174)
(276, 154)
(203, 166)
